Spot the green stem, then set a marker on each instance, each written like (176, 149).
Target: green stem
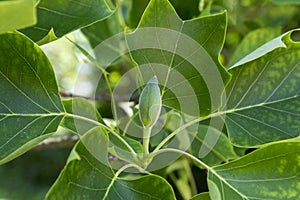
(146, 140)
(107, 128)
(117, 174)
(113, 101)
(153, 154)
(181, 128)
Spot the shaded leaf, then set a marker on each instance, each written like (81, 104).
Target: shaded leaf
(85, 177)
(16, 14)
(66, 16)
(190, 48)
(101, 30)
(30, 106)
(268, 173)
(137, 9)
(201, 196)
(263, 102)
(212, 146)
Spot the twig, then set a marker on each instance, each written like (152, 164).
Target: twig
(101, 97)
(57, 142)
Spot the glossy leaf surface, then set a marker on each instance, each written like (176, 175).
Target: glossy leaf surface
(263, 102)
(65, 16)
(30, 106)
(268, 173)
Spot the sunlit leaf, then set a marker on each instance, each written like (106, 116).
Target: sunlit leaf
(65, 16)
(11, 17)
(268, 173)
(252, 41)
(263, 102)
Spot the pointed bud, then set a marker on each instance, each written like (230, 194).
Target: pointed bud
(150, 103)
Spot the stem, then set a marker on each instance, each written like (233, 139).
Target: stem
(129, 122)
(107, 128)
(169, 137)
(146, 140)
(181, 128)
(153, 154)
(113, 101)
(191, 178)
(117, 174)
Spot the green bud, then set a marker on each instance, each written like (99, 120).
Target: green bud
(150, 103)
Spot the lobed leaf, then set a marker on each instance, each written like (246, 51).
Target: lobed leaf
(263, 98)
(65, 16)
(182, 54)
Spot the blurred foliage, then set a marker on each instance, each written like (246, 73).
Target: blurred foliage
(34, 172)
(31, 175)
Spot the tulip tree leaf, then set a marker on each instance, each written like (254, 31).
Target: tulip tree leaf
(209, 139)
(11, 18)
(181, 54)
(263, 98)
(86, 177)
(30, 106)
(268, 173)
(66, 16)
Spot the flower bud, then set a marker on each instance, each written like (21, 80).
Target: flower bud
(150, 103)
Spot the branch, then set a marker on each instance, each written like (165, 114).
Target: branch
(102, 97)
(57, 142)
(67, 141)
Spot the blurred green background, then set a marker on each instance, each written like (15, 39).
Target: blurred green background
(32, 174)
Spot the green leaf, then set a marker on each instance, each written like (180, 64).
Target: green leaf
(136, 12)
(210, 150)
(88, 178)
(16, 14)
(262, 50)
(30, 106)
(201, 196)
(181, 54)
(268, 173)
(102, 30)
(66, 16)
(252, 41)
(263, 102)
(118, 149)
(186, 9)
(85, 116)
